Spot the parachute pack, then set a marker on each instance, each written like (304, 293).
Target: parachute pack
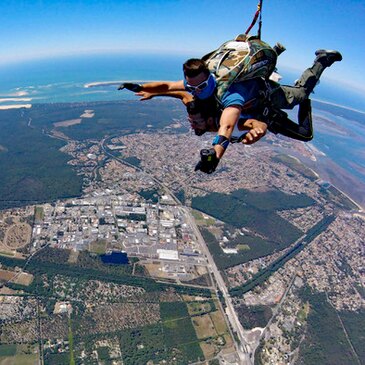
(245, 57)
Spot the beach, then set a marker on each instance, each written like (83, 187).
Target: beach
(15, 106)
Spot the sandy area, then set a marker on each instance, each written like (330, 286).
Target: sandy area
(67, 123)
(204, 326)
(6, 275)
(17, 235)
(87, 114)
(102, 83)
(219, 323)
(16, 93)
(23, 278)
(18, 106)
(105, 83)
(4, 100)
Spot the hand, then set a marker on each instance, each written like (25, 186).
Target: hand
(145, 95)
(254, 134)
(208, 161)
(130, 86)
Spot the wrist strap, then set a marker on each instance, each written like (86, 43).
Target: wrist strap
(221, 140)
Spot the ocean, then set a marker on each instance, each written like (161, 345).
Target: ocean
(64, 79)
(338, 138)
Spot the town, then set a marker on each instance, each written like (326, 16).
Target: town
(138, 199)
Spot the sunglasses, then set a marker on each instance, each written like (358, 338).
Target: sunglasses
(199, 87)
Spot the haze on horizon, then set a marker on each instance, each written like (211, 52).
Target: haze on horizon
(44, 29)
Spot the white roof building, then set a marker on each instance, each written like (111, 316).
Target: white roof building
(168, 254)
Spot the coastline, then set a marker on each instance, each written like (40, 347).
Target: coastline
(338, 105)
(110, 83)
(4, 100)
(360, 208)
(340, 179)
(15, 106)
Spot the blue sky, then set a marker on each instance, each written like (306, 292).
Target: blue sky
(44, 28)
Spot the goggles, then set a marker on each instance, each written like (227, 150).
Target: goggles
(199, 87)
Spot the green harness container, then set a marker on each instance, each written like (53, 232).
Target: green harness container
(241, 59)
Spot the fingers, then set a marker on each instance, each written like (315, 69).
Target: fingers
(144, 95)
(253, 135)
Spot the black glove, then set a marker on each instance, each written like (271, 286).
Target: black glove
(208, 161)
(130, 86)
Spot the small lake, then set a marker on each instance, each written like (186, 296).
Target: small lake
(117, 258)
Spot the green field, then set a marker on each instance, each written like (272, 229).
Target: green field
(7, 350)
(38, 213)
(57, 359)
(179, 333)
(98, 247)
(200, 308)
(160, 342)
(18, 355)
(173, 310)
(71, 342)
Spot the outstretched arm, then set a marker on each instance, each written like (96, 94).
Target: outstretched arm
(163, 86)
(184, 96)
(154, 87)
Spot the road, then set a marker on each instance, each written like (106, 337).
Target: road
(243, 349)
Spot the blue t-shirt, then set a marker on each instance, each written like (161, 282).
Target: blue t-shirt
(241, 92)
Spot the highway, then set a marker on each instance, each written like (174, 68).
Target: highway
(243, 349)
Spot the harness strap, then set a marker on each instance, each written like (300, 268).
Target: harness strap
(258, 12)
(260, 21)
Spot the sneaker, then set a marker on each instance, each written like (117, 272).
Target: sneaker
(279, 48)
(327, 57)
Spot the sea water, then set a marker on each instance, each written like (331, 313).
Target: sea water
(64, 79)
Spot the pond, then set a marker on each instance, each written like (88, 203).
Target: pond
(114, 257)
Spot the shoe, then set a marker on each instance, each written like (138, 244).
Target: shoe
(279, 48)
(327, 57)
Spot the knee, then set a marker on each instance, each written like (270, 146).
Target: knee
(307, 138)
